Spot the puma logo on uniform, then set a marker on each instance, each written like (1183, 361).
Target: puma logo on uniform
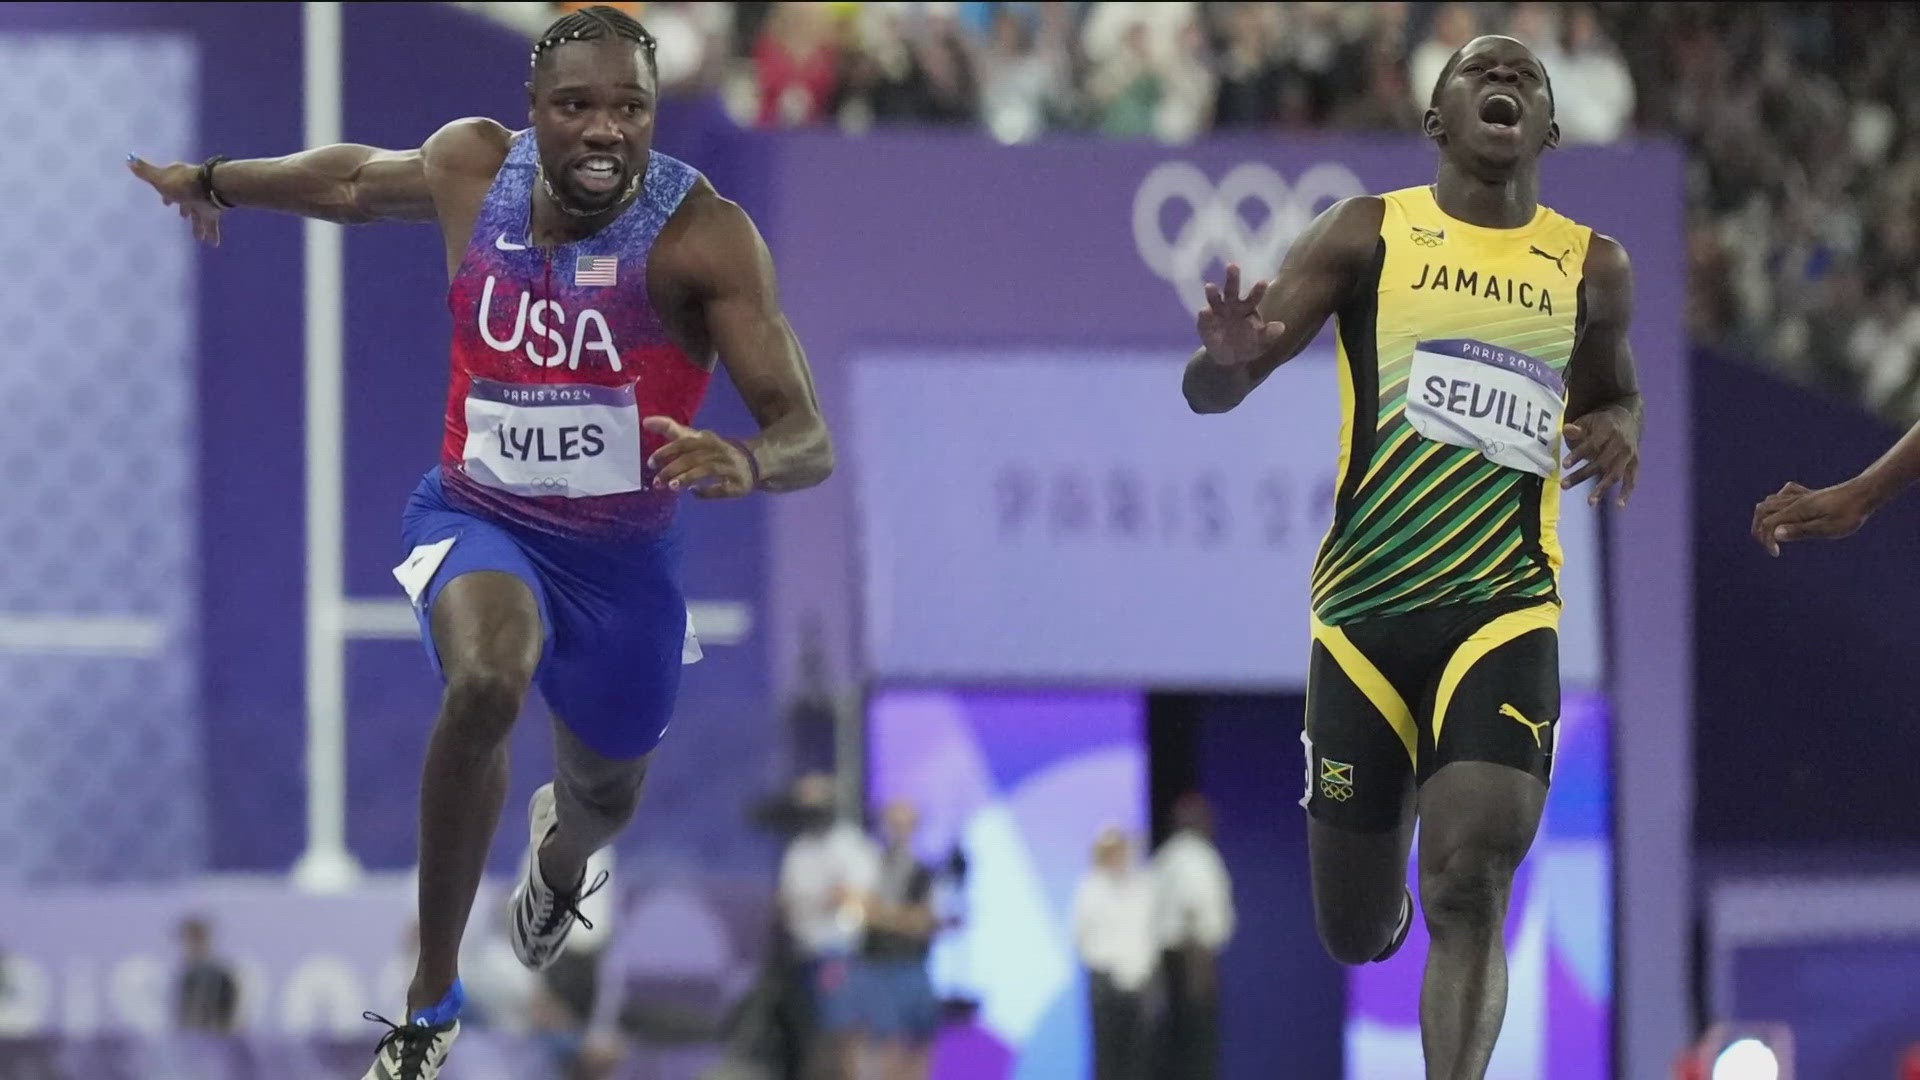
(1514, 714)
(1557, 260)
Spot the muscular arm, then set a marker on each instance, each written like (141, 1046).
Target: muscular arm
(721, 259)
(1602, 430)
(1318, 274)
(1600, 374)
(345, 183)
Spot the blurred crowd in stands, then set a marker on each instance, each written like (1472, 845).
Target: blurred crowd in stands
(1803, 176)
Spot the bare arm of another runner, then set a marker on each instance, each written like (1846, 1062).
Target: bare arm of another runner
(1603, 393)
(721, 259)
(1244, 338)
(345, 183)
(1799, 513)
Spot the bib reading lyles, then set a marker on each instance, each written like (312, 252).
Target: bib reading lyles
(568, 439)
(1504, 404)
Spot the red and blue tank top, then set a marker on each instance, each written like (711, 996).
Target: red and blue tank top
(558, 353)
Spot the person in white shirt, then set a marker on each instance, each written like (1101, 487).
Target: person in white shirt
(1453, 25)
(899, 1013)
(828, 871)
(1596, 90)
(1113, 930)
(1194, 920)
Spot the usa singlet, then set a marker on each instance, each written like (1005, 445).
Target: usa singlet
(557, 356)
(1452, 359)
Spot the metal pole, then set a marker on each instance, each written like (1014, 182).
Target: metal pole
(327, 865)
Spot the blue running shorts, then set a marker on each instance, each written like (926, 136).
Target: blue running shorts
(615, 622)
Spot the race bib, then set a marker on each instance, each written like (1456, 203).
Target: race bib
(1502, 403)
(563, 439)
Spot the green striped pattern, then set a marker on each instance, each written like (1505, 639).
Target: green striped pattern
(1429, 523)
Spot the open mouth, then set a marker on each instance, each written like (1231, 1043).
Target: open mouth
(1500, 111)
(599, 173)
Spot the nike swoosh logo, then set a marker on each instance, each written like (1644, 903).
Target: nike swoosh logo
(505, 244)
(1514, 714)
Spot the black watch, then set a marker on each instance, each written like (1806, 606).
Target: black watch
(207, 191)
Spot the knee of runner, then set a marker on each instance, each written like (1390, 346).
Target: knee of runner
(1468, 887)
(484, 700)
(612, 799)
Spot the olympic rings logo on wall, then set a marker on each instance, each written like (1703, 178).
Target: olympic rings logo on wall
(1217, 227)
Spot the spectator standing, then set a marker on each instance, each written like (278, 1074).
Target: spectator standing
(1113, 929)
(1453, 26)
(1025, 71)
(206, 994)
(826, 874)
(1593, 91)
(1148, 71)
(1195, 920)
(898, 1012)
(1250, 75)
(797, 61)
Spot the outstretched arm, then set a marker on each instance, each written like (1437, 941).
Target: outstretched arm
(1799, 513)
(726, 267)
(1603, 394)
(1243, 339)
(346, 183)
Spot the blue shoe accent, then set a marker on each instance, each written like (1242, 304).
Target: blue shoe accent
(445, 1011)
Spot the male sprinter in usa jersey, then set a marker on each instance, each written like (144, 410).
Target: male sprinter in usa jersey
(1478, 332)
(594, 282)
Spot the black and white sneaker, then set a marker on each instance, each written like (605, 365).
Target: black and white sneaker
(413, 1051)
(541, 915)
(1399, 932)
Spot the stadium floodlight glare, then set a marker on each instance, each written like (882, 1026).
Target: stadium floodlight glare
(1740, 1051)
(1746, 1059)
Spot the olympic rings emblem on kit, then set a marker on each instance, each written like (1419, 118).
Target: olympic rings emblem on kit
(1216, 228)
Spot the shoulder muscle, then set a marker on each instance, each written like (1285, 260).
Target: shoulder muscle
(472, 147)
(710, 240)
(1607, 276)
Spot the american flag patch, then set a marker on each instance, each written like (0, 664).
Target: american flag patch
(596, 270)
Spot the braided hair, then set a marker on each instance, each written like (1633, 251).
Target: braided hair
(597, 23)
